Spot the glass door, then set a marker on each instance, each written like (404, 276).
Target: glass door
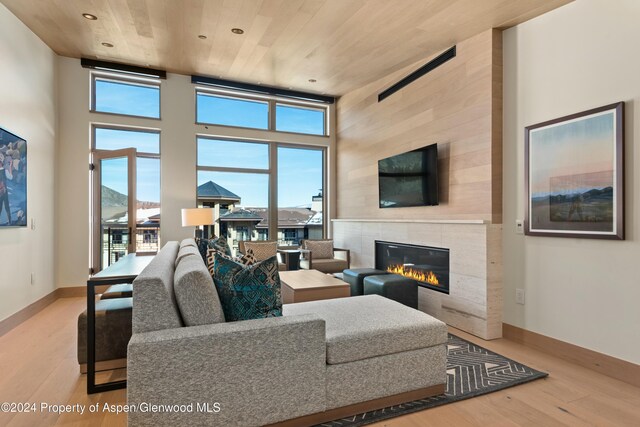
(114, 206)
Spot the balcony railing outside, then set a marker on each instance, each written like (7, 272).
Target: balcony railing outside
(115, 241)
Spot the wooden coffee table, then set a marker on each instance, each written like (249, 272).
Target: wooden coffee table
(311, 285)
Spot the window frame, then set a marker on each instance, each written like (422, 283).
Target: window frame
(325, 111)
(272, 173)
(271, 111)
(126, 128)
(127, 80)
(229, 168)
(139, 154)
(241, 97)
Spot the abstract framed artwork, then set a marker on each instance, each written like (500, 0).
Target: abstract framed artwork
(13, 180)
(574, 175)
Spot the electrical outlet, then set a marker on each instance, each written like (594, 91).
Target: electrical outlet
(33, 279)
(520, 296)
(519, 226)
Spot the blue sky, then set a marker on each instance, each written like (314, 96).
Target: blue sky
(122, 98)
(299, 170)
(299, 177)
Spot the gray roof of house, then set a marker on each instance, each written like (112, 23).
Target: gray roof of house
(241, 215)
(211, 190)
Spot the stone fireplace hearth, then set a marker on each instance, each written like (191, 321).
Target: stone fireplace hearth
(474, 302)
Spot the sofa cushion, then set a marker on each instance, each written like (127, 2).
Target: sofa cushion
(154, 302)
(188, 242)
(185, 251)
(320, 249)
(195, 293)
(367, 326)
(219, 243)
(248, 292)
(325, 265)
(244, 259)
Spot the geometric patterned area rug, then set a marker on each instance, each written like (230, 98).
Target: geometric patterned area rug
(472, 370)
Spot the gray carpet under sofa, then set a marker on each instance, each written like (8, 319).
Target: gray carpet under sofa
(317, 357)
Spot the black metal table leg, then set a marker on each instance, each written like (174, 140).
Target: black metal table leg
(92, 387)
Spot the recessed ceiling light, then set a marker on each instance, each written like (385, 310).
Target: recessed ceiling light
(89, 16)
(202, 36)
(312, 80)
(105, 44)
(237, 31)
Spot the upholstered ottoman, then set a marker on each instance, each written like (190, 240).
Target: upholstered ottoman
(376, 347)
(355, 278)
(393, 286)
(113, 332)
(123, 290)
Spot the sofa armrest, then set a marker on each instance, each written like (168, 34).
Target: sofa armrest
(258, 371)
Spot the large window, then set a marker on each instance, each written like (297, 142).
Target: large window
(241, 204)
(228, 111)
(260, 113)
(127, 96)
(237, 178)
(300, 193)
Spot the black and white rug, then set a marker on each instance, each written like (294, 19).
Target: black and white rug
(472, 370)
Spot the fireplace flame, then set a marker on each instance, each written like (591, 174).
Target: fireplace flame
(419, 275)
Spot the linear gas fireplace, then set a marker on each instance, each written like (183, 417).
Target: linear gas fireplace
(427, 265)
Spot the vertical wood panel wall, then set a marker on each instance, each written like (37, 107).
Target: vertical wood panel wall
(458, 106)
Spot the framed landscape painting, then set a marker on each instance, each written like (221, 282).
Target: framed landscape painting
(574, 175)
(13, 180)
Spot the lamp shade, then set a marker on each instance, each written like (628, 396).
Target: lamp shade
(197, 216)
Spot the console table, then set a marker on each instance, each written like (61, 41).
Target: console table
(125, 270)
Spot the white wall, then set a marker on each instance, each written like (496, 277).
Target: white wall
(586, 292)
(28, 109)
(178, 161)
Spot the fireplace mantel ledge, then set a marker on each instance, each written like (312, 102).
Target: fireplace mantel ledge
(425, 221)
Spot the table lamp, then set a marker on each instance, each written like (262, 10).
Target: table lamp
(195, 217)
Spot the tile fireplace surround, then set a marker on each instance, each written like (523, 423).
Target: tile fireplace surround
(475, 300)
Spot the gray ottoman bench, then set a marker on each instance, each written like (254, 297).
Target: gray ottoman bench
(355, 278)
(393, 286)
(113, 332)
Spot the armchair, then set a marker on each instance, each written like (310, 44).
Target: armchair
(264, 249)
(322, 256)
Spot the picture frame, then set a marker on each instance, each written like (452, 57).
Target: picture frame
(13, 180)
(574, 175)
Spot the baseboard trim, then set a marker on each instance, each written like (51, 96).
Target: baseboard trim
(34, 308)
(72, 292)
(358, 408)
(607, 365)
(31, 310)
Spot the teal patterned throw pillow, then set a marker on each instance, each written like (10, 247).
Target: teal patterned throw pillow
(217, 243)
(248, 292)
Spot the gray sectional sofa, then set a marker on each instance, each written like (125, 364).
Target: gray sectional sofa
(320, 361)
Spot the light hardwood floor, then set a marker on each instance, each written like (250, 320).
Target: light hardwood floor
(38, 364)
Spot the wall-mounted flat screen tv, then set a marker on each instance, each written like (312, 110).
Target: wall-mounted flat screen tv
(409, 179)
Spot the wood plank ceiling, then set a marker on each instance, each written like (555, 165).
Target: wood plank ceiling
(342, 44)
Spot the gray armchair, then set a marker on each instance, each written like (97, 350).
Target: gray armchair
(319, 254)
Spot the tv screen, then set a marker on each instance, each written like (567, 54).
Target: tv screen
(409, 179)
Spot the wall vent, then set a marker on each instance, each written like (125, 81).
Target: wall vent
(429, 66)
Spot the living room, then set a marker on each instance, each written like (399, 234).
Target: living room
(276, 120)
